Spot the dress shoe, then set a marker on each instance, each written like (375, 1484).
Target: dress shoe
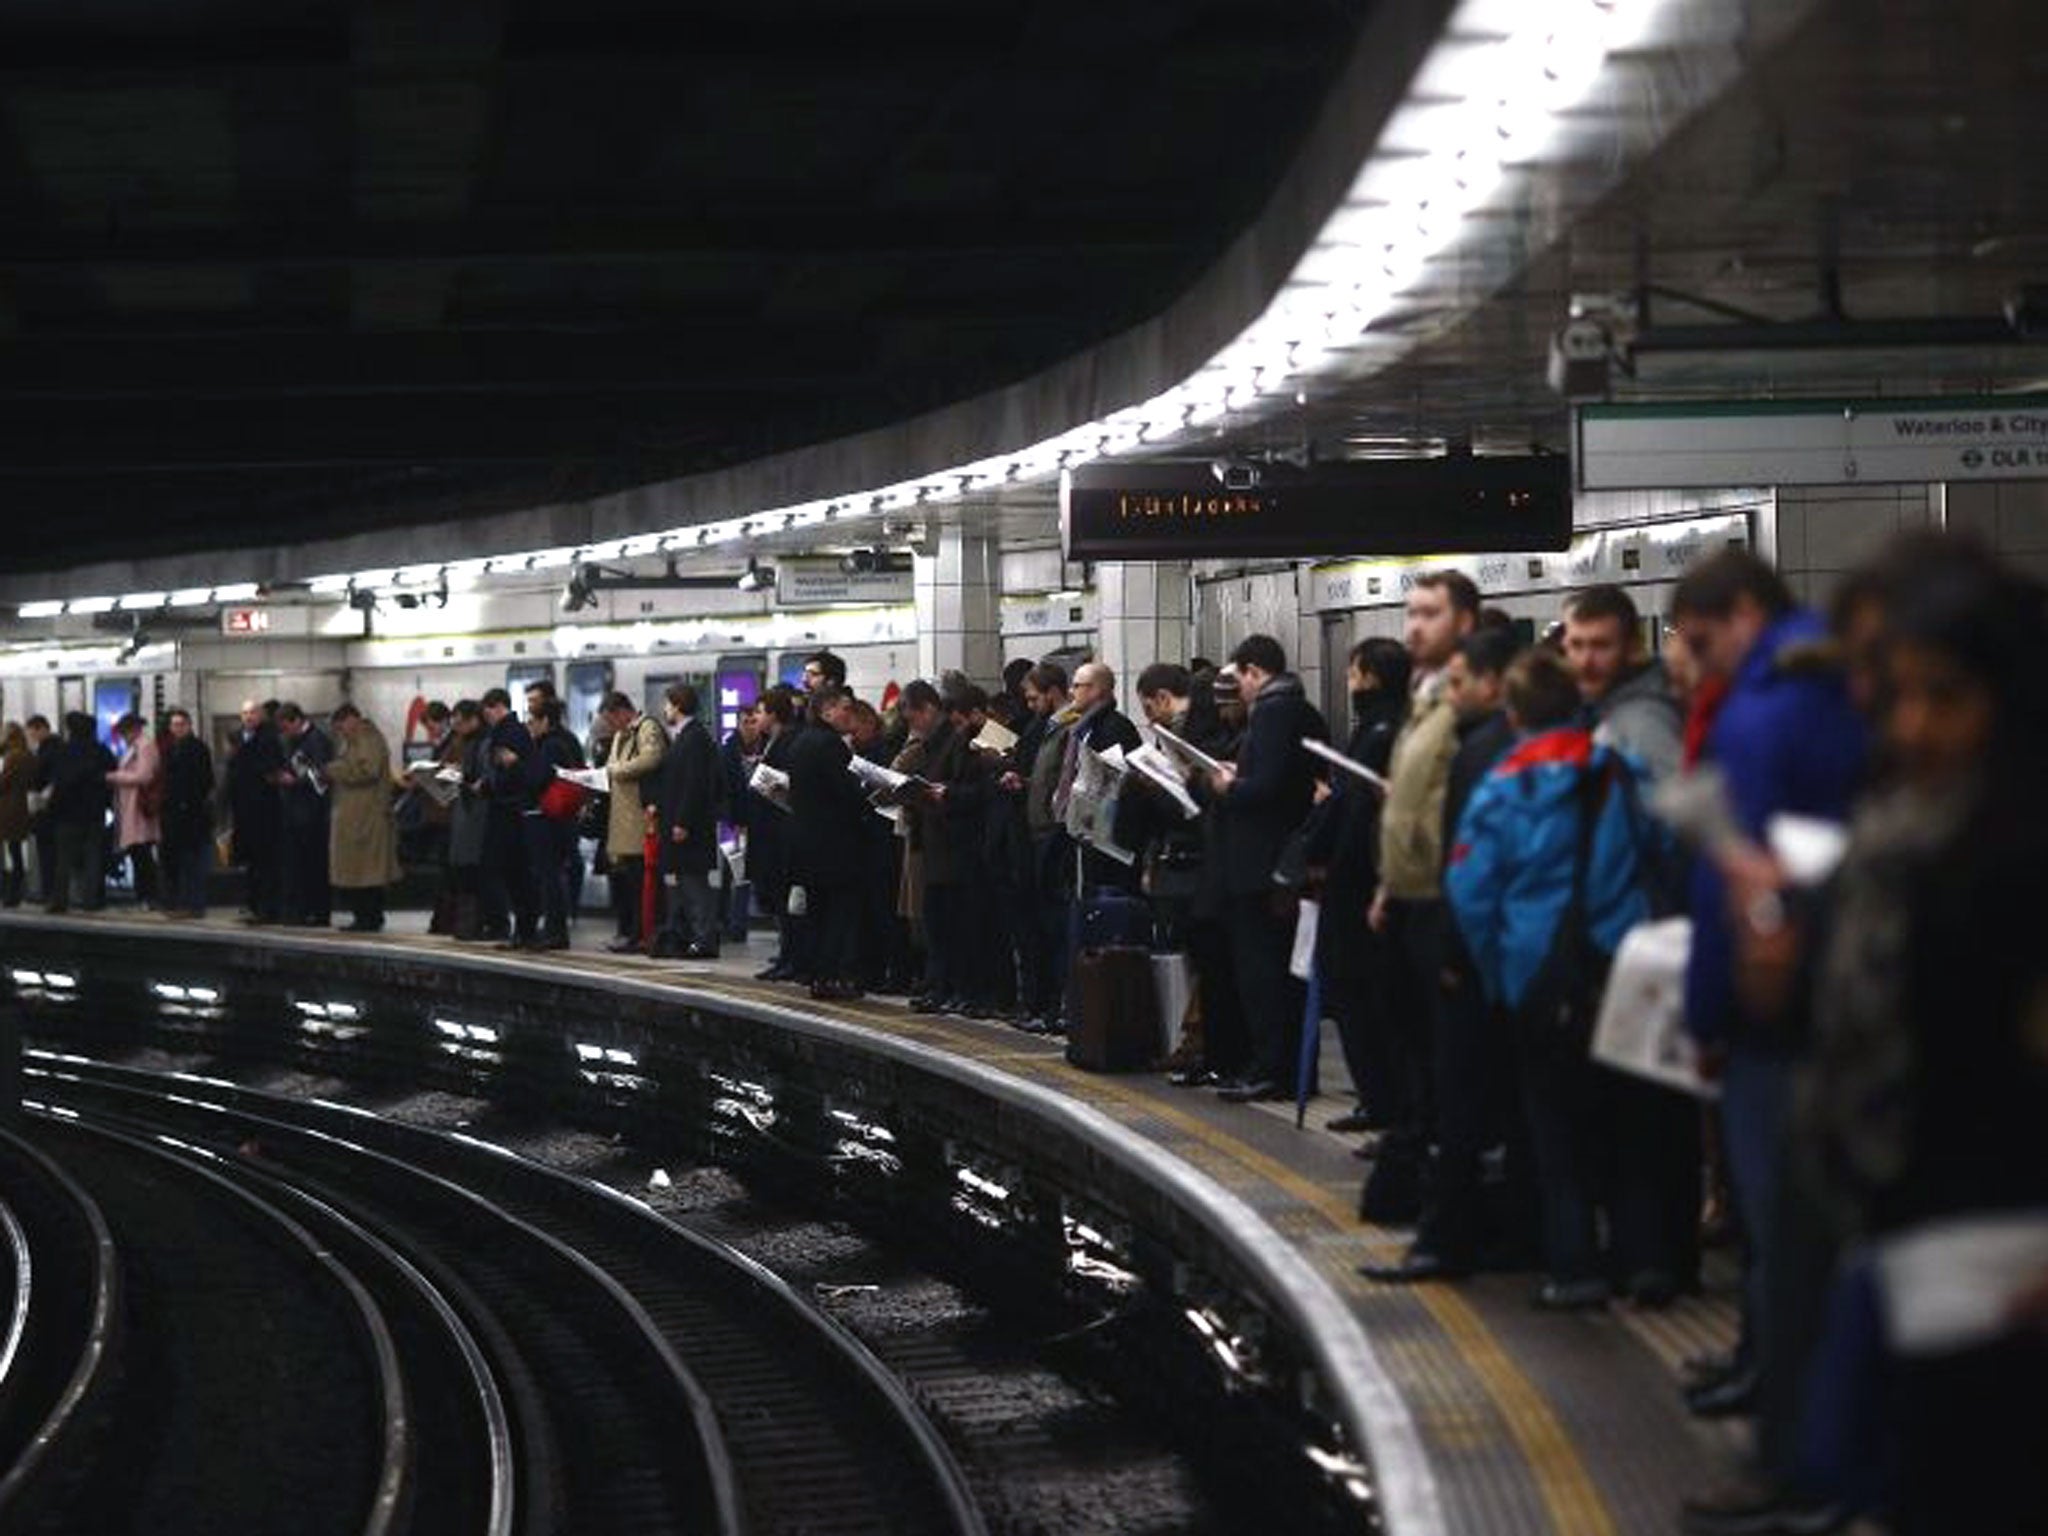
(1569, 1295)
(1255, 1090)
(1756, 1508)
(1352, 1120)
(554, 941)
(924, 1003)
(1722, 1397)
(1415, 1265)
(623, 946)
(773, 971)
(1194, 1075)
(353, 927)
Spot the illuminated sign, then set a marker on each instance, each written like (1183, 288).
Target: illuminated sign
(245, 621)
(1183, 511)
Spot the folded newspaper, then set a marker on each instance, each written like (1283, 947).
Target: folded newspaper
(439, 782)
(994, 736)
(771, 784)
(1092, 801)
(1165, 774)
(886, 785)
(596, 780)
(1350, 765)
(1187, 749)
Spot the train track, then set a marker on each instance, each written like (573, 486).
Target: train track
(654, 1379)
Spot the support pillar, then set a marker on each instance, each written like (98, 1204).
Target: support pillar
(959, 609)
(1142, 616)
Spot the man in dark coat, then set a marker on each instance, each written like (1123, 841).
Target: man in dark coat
(549, 842)
(507, 901)
(255, 768)
(43, 747)
(79, 802)
(688, 795)
(827, 851)
(1259, 802)
(307, 896)
(1100, 726)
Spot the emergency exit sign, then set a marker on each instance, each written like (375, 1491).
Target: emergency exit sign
(1811, 442)
(245, 621)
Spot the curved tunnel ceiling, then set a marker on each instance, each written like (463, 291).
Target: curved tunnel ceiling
(272, 273)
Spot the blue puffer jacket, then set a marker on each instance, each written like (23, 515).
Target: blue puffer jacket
(1510, 874)
(1788, 739)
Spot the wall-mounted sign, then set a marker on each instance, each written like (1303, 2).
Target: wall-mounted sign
(1050, 615)
(825, 583)
(245, 621)
(1811, 442)
(1624, 556)
(1184, 511)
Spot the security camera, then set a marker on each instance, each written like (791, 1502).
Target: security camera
(1236, 474)
(1579, 353)
(755, 578)
(581, 589)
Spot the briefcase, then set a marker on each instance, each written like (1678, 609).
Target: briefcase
(1116, 1026)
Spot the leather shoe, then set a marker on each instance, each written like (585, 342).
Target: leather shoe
(1758, 1509)
(1196, 1076)
(1251, 1091)
(1569, 1295)
(1416, 1264)
(623, 946)
(1722, 1397)
(1352, 1120)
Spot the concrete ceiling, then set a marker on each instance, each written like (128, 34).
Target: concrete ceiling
(275, 269)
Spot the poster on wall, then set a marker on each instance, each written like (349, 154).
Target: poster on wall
(113, 697)
(586, 684)
(738, 682)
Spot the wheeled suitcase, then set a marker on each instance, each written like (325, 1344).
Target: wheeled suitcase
(1116, 1026)
(1108, 918)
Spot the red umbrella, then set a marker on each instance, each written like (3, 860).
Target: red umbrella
(650, 882)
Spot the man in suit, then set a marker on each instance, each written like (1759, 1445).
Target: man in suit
(827, 853)
(255, 769)
(509, 909)
(688, 795)
(302, 796)
(1259, 801)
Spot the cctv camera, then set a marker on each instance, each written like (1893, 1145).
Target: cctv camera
(754, 578)
(1235, 475)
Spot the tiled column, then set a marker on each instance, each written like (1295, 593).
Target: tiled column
(1143, 617)
(1816, 533)
(959, 619)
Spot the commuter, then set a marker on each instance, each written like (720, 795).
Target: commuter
(255, 814)
(1469, 1068)
(1786, 739)
(79, 801)
(1098, 725)
(768, 838)
(691, 775)
(307, 895)
(822, 669)
(137, 783)
(971, 802)
(1343, 843)
(1041, 750)
(362, 855)
(1259, 802)
(568, 751)
(826, 856)
(1407, 909)
(455, 900)
(1168, 845)
(17, 771)
(547, 836)
(1008, 705)
(469, 818)
(1627, 692)
(1930, 1081)
(187, 817)
(938, 752)
(43, 747)
(638, 744)
(887, 964)
(509, 902)
(1546, 878)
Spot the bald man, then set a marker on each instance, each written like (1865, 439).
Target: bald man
(1099, 726)
(255, 766)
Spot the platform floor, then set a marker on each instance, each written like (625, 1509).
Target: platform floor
(1533, 1422)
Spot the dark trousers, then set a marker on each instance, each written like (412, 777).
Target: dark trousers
(16, 876)
(629, 879)
(1560, 1098)
(365, 905)
(835, 915)
(263, 867)
(1261, 939)
(142, 871)
(1353, 960)
(974, 963)
(880, 958)
(1414, 961)
(505, 897)
(81, 867)
(944, 939)
(185, 869)
(1226, 1042)
(545, 841)
(46, 860)
(304, 894)
(1468, 1048)
(692, 918)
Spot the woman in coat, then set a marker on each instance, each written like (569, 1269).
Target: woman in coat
(17, 768)
(138, 795)
(362, 855)
(187, 817)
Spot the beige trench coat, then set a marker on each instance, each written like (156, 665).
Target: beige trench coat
(636, 753)
(362, 849)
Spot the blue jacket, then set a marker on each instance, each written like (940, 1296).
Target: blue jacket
(1787, 739)
(1509, 878)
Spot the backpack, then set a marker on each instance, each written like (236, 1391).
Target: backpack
(1557, 1012)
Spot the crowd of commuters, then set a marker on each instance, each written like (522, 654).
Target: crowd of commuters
(1871, 1037)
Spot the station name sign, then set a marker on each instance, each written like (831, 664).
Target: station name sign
(824, 583)
(1176, 510)
(1812, 442)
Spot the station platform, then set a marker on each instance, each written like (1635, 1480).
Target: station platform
(1529, 1421)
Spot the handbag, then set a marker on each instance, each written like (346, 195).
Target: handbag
(1558, 1011)
(562, 800)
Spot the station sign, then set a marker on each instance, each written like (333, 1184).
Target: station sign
(825, 583)
(245, 621)
(1178, 510)
(1811, 442)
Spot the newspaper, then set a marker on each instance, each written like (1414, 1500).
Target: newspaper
(1187, 749)
(1350, 765)
(995, 737)
(439, 782)
(1164, 773)
(1641, 1026)
(597, 780)
(1091, 803)
(771, 784)
(885, 785)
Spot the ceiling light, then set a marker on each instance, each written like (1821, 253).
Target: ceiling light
(42, 608)
(91, 605)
